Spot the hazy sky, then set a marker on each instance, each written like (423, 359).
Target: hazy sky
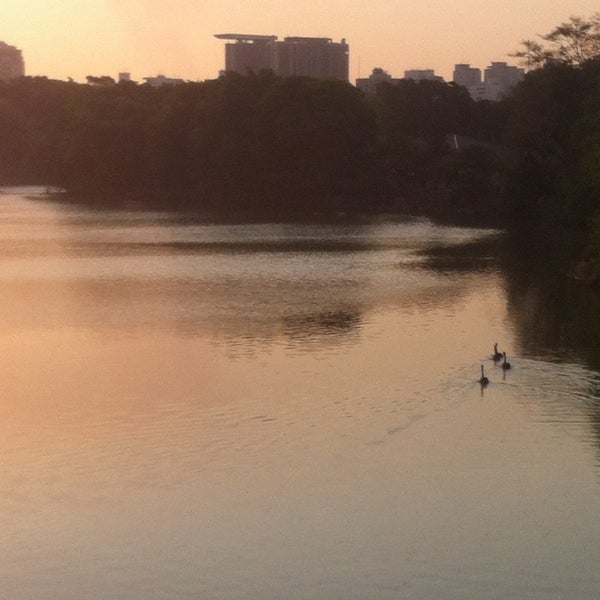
(75, 38)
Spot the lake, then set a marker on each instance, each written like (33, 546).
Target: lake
(267, 411)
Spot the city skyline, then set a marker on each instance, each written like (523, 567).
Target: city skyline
(176, 37)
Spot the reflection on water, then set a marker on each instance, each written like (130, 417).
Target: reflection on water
(247, 280)
(193, 410)
(557, 318)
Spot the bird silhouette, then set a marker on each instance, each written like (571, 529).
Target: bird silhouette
(505, 364)
(484, 380)
(497, 355)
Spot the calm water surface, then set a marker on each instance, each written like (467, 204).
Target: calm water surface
(261, 412)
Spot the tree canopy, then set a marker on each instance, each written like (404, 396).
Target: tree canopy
(573, 42)
(250, 142)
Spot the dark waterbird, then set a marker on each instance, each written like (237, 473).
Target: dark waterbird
(484, 380)
(497, 355)
(505, 364)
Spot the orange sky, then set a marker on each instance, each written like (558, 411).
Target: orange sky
(75, 38)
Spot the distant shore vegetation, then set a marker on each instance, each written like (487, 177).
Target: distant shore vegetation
(264, 145)
(257, 142)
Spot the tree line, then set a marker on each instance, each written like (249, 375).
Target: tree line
(245, 141)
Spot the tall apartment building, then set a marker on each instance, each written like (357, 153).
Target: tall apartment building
(312, 57)
(306, 56)
(466, 75)
(498, 79)
(246, 53)
(11, 62)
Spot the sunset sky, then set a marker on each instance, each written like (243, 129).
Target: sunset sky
(76, 38)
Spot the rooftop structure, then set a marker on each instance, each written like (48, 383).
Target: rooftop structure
(161, 80)
(245, 37)
(11, 62)
(421, 74)
(370, 84)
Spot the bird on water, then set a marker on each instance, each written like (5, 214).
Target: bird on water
(484, 380)
(505, 364)
(497, 355)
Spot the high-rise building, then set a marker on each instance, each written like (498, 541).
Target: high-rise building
(466, 75)
(312, 57)
(246, 53)
(11, 62)
(498, 79)
(304, 56)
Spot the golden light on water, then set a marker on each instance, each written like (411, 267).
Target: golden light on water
(267, 424)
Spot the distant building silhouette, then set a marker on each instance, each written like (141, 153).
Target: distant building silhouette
(421, 74)
(11, 62)
(161, 80)
(313, 57)
(248, 52)
(466, 75)
(304, 56)
(498, 79)
(370, 84)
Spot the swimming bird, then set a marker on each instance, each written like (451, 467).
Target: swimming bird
(484, 380)
(505, 364)
(497, 355)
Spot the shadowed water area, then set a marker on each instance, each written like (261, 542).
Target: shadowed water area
(265, 411)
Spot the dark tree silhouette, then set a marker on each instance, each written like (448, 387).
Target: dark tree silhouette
(572, 42)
